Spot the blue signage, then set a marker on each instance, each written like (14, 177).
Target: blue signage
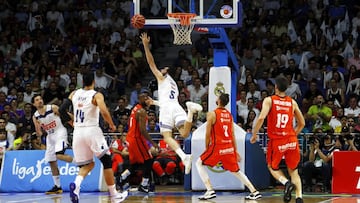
(27, 171)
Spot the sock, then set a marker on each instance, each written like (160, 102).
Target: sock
(57, 181)
(78, 181)
(203, 175)
(190, 116)
(244, 179)
(181, 153)
(145, 182)
(283, 180)
(112, 189)
(125, 174)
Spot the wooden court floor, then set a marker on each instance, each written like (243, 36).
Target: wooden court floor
(175, 194)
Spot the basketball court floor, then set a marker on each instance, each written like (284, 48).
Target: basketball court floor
(175, 194)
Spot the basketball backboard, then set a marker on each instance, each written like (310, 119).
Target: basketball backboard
(210, 13)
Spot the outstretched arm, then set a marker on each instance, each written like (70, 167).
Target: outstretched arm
(149, 57)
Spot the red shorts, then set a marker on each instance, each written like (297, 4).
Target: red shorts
(226, 156)
(138, 150)
(116, 160)
(287, 148)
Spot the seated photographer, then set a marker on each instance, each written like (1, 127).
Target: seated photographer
(23, 140)
(347, 140)
(36, 142)
(321, 151)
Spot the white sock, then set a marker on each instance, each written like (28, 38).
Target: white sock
(125, 174)
(283, 180)
(112, 189)
(57, 181)
(190, 116)
(145, 181)
(78, 181)
(203, 175)
(181, 153)
(244, 179)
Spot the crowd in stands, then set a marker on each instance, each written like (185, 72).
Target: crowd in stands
(45, 46)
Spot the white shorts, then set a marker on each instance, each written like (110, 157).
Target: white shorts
(171, 115)
(87, 142)
(55, 142)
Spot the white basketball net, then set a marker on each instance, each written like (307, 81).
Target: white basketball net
(182, 33)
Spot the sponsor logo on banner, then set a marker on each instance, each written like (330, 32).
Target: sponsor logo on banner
(33, 173)
(27, 171)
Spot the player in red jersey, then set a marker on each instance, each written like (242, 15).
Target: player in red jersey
(221, 147)
(138, 138)
(280, 110)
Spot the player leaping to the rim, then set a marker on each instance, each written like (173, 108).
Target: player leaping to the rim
(171, 113)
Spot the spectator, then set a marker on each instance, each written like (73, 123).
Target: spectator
(250, 106)
(9, 135)
(336, 120)
(25, 121)
(29, 93)
(166, 163)
(3, 87)
(120, 110)
(353, 110)
(119, 154)
(293, 89)
(319, 114)
(253, 92)
(310, 95)
(52, 94)
(135, 92)
(313, 72)
(334, 93)
(196, 90)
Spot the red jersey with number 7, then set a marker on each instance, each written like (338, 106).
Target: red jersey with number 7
(280, 118)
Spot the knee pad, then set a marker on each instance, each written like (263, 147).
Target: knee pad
(106, 161)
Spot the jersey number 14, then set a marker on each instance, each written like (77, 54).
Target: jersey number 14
(79, 116)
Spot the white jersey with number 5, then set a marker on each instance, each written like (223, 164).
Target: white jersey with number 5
(168, 90)
(85, 112)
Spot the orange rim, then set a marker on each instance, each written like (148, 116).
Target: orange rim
(185, 18)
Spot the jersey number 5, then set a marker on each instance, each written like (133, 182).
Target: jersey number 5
(282, 120)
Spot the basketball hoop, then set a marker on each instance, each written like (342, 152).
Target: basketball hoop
(182, 26)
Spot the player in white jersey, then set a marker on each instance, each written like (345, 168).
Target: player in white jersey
(88, 137)
(171, 113)
(47, 118)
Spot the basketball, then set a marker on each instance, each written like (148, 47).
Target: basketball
(138, 21)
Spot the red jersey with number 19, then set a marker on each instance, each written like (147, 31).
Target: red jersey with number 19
(280, 118)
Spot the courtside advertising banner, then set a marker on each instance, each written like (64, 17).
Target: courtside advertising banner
(346, 172)
(220, 179)
(27, 171)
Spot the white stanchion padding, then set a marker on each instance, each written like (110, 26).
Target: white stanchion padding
(219, 82)
(220, 179)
